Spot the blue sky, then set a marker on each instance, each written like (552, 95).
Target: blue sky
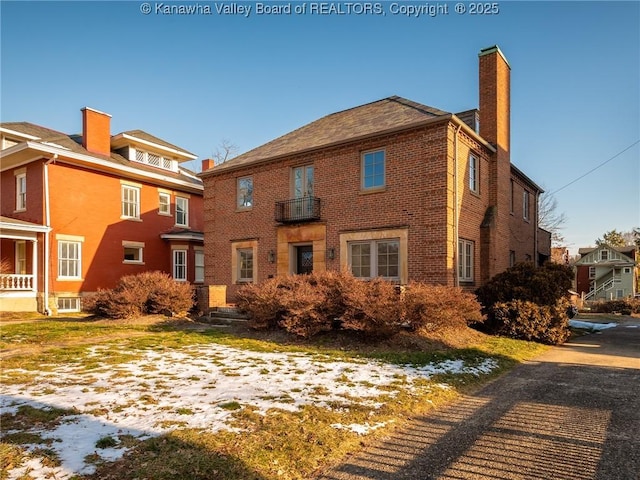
(197, 79)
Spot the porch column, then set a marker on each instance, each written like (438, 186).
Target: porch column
(34, 265)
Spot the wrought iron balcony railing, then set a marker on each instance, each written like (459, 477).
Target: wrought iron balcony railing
(303, 209)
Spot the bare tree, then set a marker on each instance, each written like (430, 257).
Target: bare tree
(549, 218)
(225, 151)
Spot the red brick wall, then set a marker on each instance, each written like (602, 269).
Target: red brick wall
(34, 212)
(522, 231)
(419, 183)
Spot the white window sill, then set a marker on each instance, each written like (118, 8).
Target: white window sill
(132, 262)
(69, 279)
(135, 219)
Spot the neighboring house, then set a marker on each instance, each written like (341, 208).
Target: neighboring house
(392, 188)
(607, 273)
(81, 211)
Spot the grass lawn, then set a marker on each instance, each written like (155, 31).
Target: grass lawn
(164, 399)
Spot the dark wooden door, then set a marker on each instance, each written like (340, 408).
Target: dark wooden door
(304, 259)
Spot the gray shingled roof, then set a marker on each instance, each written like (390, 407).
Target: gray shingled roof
(74, 144)
(142, 135)
(371, 118)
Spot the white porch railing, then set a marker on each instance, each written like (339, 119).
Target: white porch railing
(16, 282)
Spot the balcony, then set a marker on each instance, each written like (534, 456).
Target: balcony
(16, 283)
(305, 209)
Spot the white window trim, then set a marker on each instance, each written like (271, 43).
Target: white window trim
(21, 195)
(606, 254)
(526, 202)
(198, 252)
(75, 240)
(239, 252)
(136, 245)
(175, 265)
(473, 173)
(235, 261)
(77, 308)
(186, 211)
(168, 204)
(124, 187)
(401, 234)
(362, 169)
(466, 266)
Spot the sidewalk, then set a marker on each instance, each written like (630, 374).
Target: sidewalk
(572, 414)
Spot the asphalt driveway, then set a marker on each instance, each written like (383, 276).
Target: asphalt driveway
(572, 414)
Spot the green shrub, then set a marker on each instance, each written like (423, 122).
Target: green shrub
(623, 306)
(544, 285)
(142, 294)
(528, 321)
(434, 307)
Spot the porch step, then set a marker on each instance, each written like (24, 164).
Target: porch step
(226, 316)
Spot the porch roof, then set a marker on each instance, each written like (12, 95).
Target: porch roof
(20, 229)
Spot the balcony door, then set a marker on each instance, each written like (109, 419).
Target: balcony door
(303, 191)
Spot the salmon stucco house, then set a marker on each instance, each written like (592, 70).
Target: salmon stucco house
(81, 211)
(392, 188)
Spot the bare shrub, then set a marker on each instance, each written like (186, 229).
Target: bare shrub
(142, 294)
(429, 308)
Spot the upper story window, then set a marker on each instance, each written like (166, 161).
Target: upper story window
(182, 211)
(604, 255)
(154, 160)
(525, 205)
(303, 181)
(21, 191)
(512, 198)
(473, 173)
(164, 203)
(373, 170)
(592, 272)
(245, 193)
(130, 202)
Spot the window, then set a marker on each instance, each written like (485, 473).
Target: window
(619, 293)
(473, 174)
(164, 204)
(182, 211)
(375, 258)
(465, 260)
(199, 266)
(68, 304)
(69, 255)
(512, 199)
(245, 265)
(512, 258)
(245, 192)
(373, 170)
(592, 272)
(525, 205)
(180, 265)
(130, 202)
(604, 255)
(626, 270)
(154, 160)
(133, 252)
(21, 191)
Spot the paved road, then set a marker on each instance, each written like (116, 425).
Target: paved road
(572, 414)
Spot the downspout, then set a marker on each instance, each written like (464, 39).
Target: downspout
(47, 216)
(456, 239)
(535, 232)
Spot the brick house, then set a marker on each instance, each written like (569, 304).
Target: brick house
(607, 273)
(392, 188)
(80, 211)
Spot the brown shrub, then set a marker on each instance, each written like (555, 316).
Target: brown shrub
(142, 294)
(428, 308)
(625, 307)
(528, 321)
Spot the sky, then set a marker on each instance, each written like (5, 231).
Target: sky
(134, 398)
(198, 79)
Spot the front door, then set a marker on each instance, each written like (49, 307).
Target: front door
(304, 259)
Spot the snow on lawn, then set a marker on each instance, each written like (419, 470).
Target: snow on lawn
(196, 387)
(591, 326)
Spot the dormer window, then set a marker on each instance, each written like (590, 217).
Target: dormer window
(604, 255)
(154, 160)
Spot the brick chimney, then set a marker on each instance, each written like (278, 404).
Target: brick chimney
(495, 127)
(96, 131)
(207, 164)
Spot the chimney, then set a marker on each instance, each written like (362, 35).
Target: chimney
(96, 131)
(207, 163)
(495, 92)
